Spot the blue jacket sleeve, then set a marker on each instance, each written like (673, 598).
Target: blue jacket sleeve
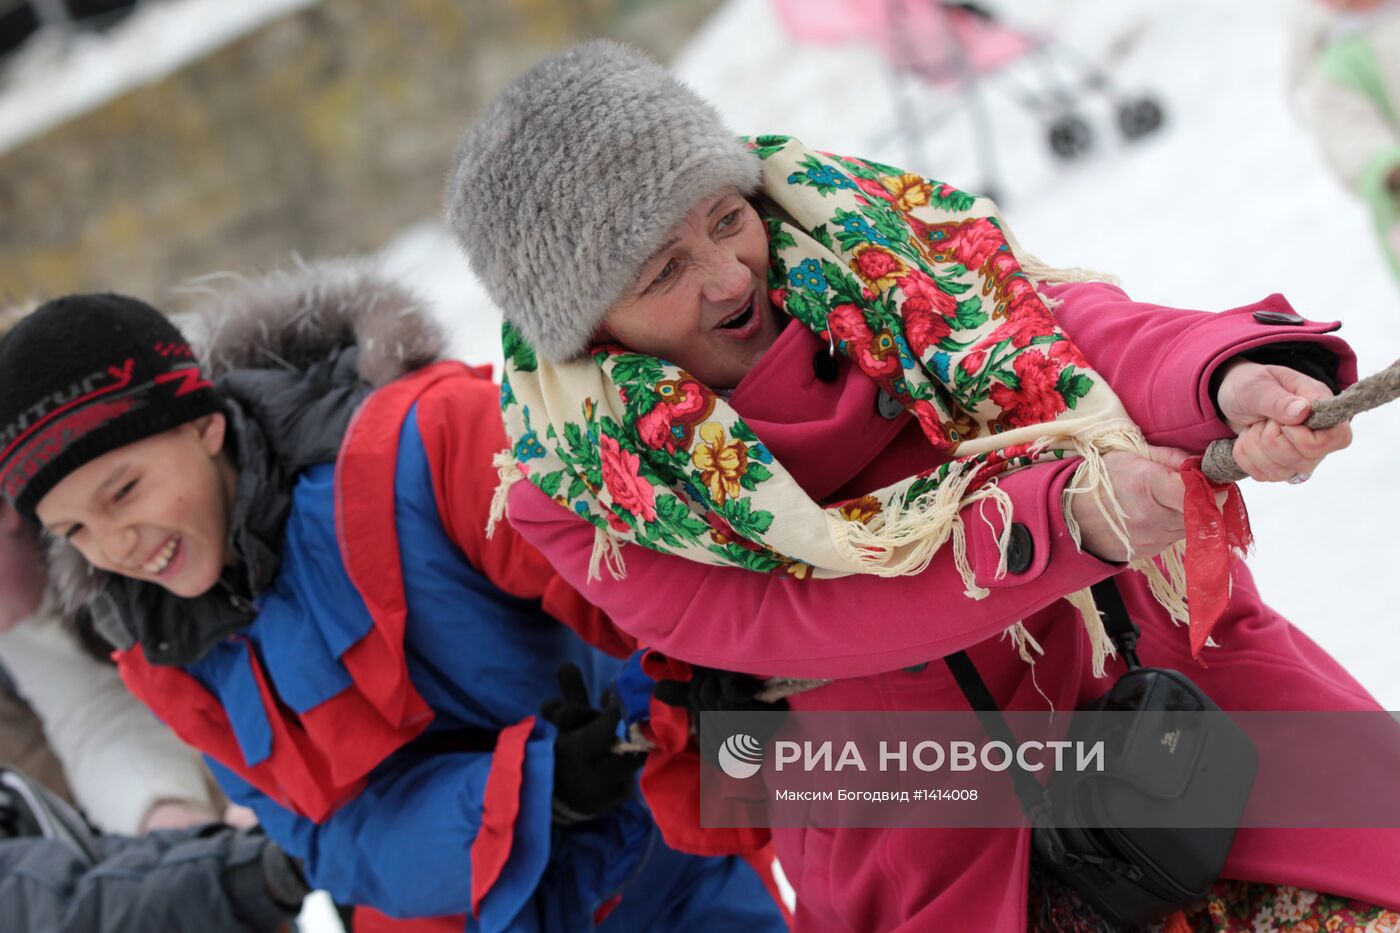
(404, 845)
(634, 686)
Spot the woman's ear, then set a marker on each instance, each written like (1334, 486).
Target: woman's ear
(212, 431)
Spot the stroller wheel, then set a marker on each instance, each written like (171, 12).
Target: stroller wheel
(1070, 137)
(1138, 117)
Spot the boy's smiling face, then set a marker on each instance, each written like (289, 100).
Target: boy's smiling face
(155, 510)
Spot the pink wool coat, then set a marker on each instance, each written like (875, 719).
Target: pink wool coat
(1159, 361)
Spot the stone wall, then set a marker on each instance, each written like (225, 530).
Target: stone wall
(322, 133)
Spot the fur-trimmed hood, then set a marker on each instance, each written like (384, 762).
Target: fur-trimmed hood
(295, 317)
(317, 329)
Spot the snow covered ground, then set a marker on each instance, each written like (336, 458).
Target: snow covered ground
(1229, 203)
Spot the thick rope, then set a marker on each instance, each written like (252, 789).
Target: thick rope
(1219, 464)
(780, 688)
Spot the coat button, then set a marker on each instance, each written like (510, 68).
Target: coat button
(1020, 550)
(1278, 317)
(888, 406)
(825, 367)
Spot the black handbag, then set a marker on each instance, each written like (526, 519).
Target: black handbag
(1149, 833)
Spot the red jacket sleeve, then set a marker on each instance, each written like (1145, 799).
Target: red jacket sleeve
(1160, 360)
(768, 624)
(460, 423)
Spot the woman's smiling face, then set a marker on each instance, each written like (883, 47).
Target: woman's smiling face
(702, 301)
(156, 510)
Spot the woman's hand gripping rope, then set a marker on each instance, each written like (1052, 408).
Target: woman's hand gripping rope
(1294, 437)
(1269, 408)
(1312, 431)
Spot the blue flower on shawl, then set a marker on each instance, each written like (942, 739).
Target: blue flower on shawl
(809, 275)
(529, 447)
(939, 361)
(858, 225)
(822, 176)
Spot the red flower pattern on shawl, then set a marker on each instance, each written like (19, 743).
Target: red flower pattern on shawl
(876, 354)
(872, 187)
(971, 242)
(622, 477)
(933, 425)
(1037, 401)
(877, 267)
(976, 241)
(926, 310)
(1064, 352)
(654, 428)
(848, 323)
(923, 325)
(684, 403)
(916, 284)
(1028, 320)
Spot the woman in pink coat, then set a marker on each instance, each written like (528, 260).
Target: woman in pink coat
(604, 207)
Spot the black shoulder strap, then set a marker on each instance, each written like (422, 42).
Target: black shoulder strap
(1116, 622)
(1124, 634)
(994, 723)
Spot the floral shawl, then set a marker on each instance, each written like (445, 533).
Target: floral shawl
(922, 287)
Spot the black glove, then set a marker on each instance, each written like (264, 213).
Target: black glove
(589, 778)
(264, 885)
(724, 692)
(714, 691)
(285, 877)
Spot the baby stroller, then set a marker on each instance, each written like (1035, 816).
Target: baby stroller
(962, 45)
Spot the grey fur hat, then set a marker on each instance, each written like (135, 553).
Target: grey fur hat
(572, 179)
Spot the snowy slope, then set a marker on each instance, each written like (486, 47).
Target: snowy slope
(1229, 203)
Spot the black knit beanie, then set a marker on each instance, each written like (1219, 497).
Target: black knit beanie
(84, 375)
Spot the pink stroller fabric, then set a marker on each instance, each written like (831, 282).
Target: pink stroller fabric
(939, 43)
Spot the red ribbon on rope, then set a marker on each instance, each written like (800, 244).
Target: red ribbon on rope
(1215, 534)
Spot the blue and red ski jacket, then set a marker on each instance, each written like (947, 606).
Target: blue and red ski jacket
(380, 713)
